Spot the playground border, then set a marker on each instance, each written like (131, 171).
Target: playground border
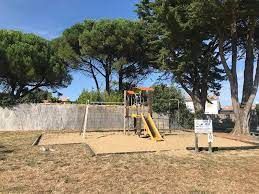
(225, 148)
(37, 140)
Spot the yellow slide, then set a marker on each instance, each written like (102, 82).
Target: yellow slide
(151, 128)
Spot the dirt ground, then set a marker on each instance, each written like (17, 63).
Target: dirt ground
(71, 169)
(106, 143)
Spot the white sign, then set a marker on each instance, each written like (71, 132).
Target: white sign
(210, 137)
(203, 126)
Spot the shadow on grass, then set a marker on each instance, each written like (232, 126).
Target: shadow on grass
(4, 151)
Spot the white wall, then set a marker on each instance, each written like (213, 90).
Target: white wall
(209, 108)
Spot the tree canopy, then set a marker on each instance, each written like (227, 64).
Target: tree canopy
(107, 49)
(96, 96)
(234, 24)
(27, 63)
(182, 49)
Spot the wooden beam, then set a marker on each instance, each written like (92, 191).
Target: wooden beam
(225, 148)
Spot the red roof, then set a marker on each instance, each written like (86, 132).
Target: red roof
(138, 89)
(146, 89)
(130, 92)
(143, 89)
(230, 108)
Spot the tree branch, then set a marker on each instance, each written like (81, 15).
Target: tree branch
(91, 64)
(185, 88)
(24, 93)
(223, 59)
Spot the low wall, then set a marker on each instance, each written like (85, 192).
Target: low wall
(100, 118)
(66, 117)
(105, 117)
(59, 117)
(226, 121)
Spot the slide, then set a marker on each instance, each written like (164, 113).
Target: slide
(151, 128)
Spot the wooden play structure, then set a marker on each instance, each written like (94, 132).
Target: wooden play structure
(137, 113)
(138, 107)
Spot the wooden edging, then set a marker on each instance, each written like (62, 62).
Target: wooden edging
(225, 148)
(37, 140)
(134, 152)
(120, 153)
(93, 153)
(236, 139)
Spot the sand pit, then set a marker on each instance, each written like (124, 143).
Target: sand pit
(123, 143)
(111, 143)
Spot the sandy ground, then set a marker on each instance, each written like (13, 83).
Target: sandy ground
(108, 143)
(61, 138)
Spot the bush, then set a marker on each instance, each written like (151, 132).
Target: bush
(95, 96)
(166, 102)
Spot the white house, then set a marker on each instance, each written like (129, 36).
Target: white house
(211, 107)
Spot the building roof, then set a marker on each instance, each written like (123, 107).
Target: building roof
(63, 99)
(230, 108)
(143, 89)
(227, 108)
(139, 89)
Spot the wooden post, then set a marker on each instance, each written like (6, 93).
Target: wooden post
(210, 140)
(210, 147)
(138, 126)
(149, 101)
(125, 111)
(196, 143)
(85, 119)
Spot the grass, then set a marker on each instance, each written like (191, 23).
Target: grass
(72, 169)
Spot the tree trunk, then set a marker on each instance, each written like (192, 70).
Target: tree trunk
(199, 107)
(245, 121)
(107, 77)
(242, 124)
(107, 84)
(249, 61)
(95, 79)
(243, 113)
(235, 103)
(120, 80)
(96, 83)
(250, 86)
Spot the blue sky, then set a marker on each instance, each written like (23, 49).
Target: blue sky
(48, 18)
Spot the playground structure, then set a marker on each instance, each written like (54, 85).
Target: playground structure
(138, 106)
(137, 112)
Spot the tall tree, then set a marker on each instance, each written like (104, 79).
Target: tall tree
(69, 49)
(235, 24)
(28, 63)
(183, 49)
(107, 47)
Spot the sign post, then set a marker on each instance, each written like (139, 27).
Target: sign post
(203, 127)
(210, 140)
(196, 143)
